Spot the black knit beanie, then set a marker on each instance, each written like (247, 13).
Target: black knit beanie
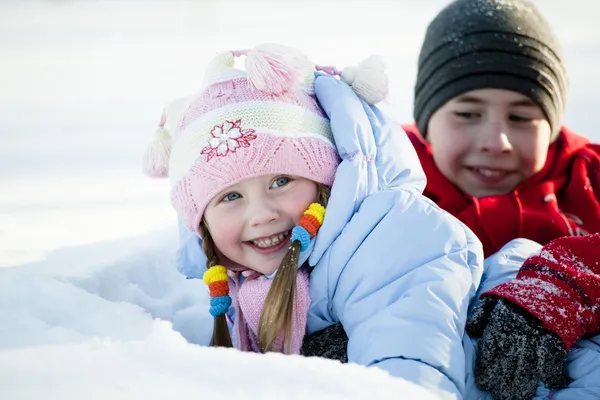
(495, 44)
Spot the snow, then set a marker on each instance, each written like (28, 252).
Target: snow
(91, 305)
(164, 366)
(96, 328)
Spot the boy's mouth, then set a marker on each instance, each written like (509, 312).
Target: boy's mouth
(491, 176)
(489, 172)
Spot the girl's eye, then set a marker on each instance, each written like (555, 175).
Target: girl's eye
(281, 181)
(232, 196)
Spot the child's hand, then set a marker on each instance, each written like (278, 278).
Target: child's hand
(514, 351)
(331, 342)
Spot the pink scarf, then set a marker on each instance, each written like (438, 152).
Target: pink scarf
(249, 298)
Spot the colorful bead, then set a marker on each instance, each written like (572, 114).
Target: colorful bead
(215, 273)
(310, 223)
(218, 286)
(317, 207)
(219, 305)
(317, 211)
(301, 235)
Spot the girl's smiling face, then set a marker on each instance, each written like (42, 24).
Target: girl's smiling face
(251, 222)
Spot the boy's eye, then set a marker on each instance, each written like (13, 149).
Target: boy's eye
(232, 196)
(281, 181)
(466, 115)
(519, 118)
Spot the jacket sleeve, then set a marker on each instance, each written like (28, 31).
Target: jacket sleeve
(191, 261)
(503, 266)
(396, 270)
(561, 287)
(402, 294)
(376, 156)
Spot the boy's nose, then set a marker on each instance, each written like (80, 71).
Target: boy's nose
(494, 139)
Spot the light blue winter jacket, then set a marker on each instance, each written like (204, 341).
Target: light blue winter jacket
(389, 264)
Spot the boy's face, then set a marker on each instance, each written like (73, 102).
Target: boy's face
(251, 222)
(488, 141)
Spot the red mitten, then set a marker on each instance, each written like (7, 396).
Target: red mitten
(561, 287)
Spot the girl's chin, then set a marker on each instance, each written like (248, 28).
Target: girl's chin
(267, 267)
(266, 262)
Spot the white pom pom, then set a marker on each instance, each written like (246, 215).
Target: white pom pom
(221, 61)
(158, 154)
(156, 158)
(349, 74)
(275, 68)
(368, 80)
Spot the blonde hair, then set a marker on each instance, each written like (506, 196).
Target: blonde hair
(221, 336)
(277, 312)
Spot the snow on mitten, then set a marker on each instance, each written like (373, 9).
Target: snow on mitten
(560, 286)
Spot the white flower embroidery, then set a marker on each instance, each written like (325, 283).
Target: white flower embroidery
(226, 138)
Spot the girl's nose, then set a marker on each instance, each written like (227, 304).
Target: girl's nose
(262, 212)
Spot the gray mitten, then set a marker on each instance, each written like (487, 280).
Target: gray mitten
(514, 351)
(331, 342)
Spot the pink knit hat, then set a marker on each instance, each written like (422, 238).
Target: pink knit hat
(265, 120)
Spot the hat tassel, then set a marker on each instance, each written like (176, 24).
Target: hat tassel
(158, 153)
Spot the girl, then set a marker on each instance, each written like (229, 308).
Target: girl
(252, 167)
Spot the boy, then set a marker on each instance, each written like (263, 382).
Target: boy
(489, 99)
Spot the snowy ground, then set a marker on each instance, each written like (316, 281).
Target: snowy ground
(90, 303)
(91, 322)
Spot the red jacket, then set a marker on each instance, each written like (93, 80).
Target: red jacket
(561, 286)
(563, 199)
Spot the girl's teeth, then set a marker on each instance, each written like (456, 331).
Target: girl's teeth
(268, 242)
